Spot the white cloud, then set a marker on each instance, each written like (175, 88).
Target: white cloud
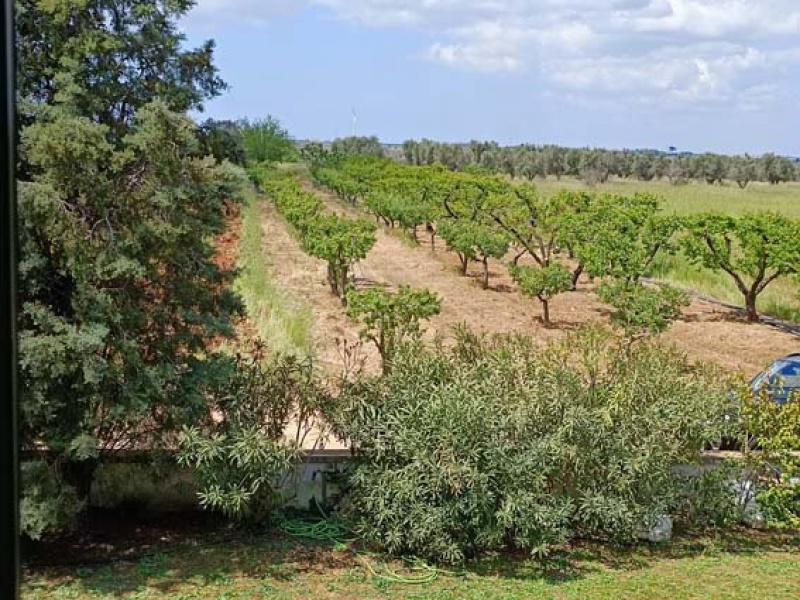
(210, 13)
(665, 52)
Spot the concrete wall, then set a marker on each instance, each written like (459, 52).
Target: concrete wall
(167, 487)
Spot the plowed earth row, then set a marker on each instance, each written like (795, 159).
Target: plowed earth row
(705, 332)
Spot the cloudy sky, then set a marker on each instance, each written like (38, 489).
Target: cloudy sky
(720, 75)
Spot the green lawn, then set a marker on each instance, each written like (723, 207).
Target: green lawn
(732, 567)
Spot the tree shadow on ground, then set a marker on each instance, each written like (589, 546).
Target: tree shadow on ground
(273, 558)
(270, 557)
(581, 559)
(715, 317)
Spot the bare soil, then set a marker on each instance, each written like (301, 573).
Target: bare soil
(226, 257)
(706, 331)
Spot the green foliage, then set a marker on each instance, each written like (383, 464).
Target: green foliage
(119, 291)
(754, 249)
(223, 140)
(256, 428)
(771, 442)
(48, 504)
(616, 236)
(474, 241)
(643, 309)
(351, 177)
(533, 221)
(119, 295)
(708, 499)
(391, 317)
(596, 166)
(544, 283)
(106, 60)
(495, 444)
(339, 241)
(780, 502)
(266, 140)
(358, 146)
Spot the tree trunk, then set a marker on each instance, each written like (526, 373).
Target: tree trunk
(485, 281)
(518, 256)
(414, 234)
(80, 475)
(343, 286)
(332, 279)
(464, 263)
(432, 232)
(546, 312)
(576, 275)
(750, 304)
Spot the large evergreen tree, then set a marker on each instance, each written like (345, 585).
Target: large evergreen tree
(119, 293)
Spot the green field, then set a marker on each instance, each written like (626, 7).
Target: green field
(269, 567)
(779, 300)
(699, 197)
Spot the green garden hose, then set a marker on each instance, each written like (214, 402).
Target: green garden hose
(332, 530)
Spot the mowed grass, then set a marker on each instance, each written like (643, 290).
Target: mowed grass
(280, 320)
(779, 300)
(734, 567)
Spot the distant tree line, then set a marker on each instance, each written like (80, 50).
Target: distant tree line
(595, 166)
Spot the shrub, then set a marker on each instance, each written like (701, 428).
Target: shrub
(390, 317)
(772, 440)
(642, 310)
(47, 504)
(709, 499)
(248, 449)
(496, 443)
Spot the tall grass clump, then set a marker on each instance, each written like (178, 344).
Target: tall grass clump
(283, 322)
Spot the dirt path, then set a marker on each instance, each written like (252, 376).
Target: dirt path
(305, 277)
(707, 332)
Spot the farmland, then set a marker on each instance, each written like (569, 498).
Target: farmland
(694, 197)
(705, 331)
(780, 301)
(505, 344)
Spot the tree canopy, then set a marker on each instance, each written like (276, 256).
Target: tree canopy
(120, 299)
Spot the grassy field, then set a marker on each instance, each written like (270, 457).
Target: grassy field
(780, 299)
(735, 567)
(282, 321)
(699, 197)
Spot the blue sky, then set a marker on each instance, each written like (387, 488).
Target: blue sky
(718, 75)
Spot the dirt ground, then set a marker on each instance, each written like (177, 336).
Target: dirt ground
(706, 331)
(226, 255)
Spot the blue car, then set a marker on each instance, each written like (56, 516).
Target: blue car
(780, 379)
